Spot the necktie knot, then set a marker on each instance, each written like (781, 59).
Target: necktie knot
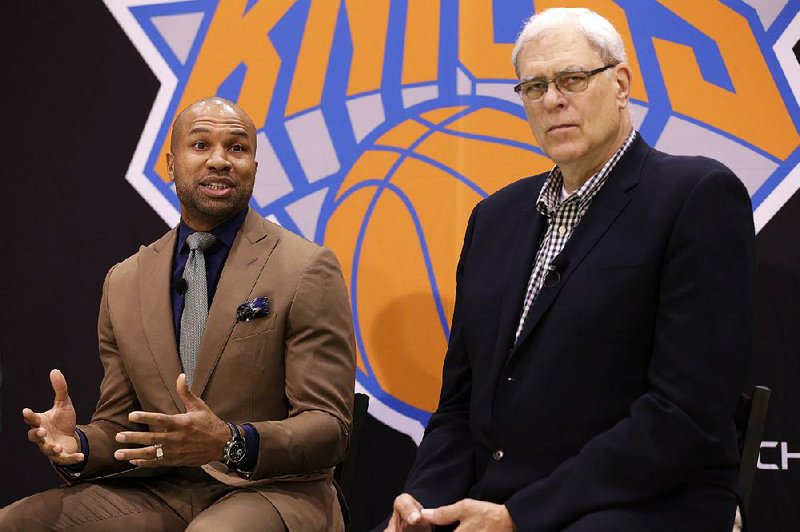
(200, 241)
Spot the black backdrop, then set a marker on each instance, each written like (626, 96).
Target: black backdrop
(74, 96)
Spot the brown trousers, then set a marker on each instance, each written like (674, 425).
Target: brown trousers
(183, 499)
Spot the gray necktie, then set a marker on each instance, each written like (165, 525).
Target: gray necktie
(195, 307)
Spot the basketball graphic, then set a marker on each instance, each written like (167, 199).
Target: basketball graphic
(418, 182)
(381, 124)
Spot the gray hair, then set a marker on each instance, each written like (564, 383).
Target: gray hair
(600, 33)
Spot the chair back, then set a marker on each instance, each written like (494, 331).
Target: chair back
(751, 416)
(344, 473)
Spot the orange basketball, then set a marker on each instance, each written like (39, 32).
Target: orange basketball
(397, 228)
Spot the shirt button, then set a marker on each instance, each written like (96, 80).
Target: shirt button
(497, 455)
(510, 379)
(562, 230)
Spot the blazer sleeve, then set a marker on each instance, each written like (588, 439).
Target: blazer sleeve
(702, 341)
(444, 469)
(320, 377)
(117, 399)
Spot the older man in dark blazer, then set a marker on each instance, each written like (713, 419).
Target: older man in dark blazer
(602, 322)
(233, 422)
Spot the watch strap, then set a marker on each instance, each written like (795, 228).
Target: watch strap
(235, 434)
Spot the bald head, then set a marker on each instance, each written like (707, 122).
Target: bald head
(212, 105)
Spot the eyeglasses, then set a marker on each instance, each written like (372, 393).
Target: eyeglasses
(565, 82)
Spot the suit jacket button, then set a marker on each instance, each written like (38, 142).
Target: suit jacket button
(498, 454)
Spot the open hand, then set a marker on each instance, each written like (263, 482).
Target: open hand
(194, 438)
(54, 431)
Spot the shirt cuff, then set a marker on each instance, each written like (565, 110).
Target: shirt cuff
(251, 443)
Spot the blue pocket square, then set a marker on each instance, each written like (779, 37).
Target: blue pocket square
(250, 310)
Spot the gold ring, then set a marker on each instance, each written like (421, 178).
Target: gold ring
(159, 451)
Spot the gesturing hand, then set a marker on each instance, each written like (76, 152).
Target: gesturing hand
(194, 438)
(54, 431)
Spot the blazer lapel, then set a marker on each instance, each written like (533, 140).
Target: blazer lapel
(251, 249)
(604, 209)
(155, 265)
(529, 230)
(529, 233)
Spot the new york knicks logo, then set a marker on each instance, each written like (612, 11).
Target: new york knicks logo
(382, 123)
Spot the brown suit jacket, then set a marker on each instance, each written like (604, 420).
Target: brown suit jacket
(290, 374)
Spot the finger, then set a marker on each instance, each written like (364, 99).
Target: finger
(444, 515)
(190, 400)
(48, 447)
(154, 419)
(141, 438)
(59, 383)
(56, 453)
(394, 524)
(37, 435)
(144, 457)
(139, 453)
(408, 509)
(31, 418)
(390, 526)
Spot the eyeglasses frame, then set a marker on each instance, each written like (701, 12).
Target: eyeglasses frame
(589, 75)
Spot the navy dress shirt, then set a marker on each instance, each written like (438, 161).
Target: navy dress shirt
(215, 256)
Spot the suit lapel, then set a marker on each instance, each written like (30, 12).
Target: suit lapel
(155, 265)
(245, 262)
(528, 233)
(604, 209)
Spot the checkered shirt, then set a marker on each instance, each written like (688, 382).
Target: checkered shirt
(562, 218)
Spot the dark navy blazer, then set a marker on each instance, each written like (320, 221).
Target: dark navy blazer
(614, 409)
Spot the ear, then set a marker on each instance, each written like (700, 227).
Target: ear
(622, 73)
(171, 166)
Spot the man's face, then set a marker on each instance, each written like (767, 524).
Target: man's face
(578, 131)
(212, 162)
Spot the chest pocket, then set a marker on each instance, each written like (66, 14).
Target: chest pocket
(246, 329)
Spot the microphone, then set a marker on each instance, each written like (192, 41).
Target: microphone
(180, 285)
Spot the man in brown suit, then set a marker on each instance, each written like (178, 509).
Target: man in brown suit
(251, 442)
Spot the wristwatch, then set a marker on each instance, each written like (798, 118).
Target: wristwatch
(234, 450)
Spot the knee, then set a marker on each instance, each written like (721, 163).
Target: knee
(203, 524)
(250, 513)
(215, 525)
(19, 516)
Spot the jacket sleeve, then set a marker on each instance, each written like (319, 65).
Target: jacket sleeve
(444, 469)
(702, 340)
(117, 399)
(320, 377)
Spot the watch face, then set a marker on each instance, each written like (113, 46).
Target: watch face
(236, 452)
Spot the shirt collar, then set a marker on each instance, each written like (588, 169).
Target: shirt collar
(225, 232)
(550, 196)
